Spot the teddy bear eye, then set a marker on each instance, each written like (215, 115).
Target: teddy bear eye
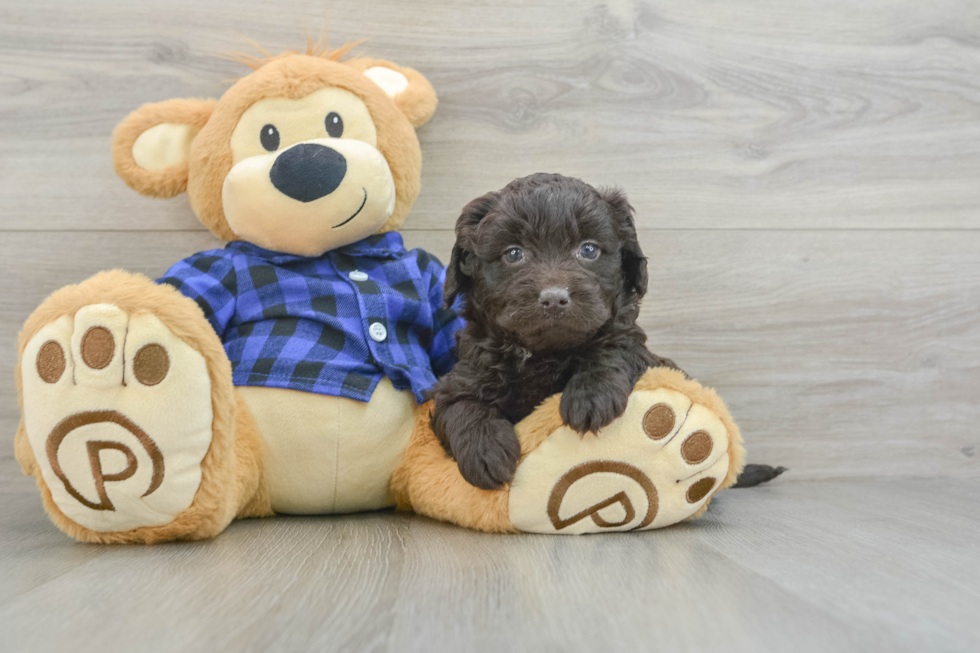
(270, 138)
(589, 251)
(514, 254)
(335, 124)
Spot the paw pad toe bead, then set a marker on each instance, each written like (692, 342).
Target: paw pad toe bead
(151, 364)
(98, 347)
(50, 362)
(659, 421)
(700, 490)
(697, 447)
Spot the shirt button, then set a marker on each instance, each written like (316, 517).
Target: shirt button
(378, 331)
(357, 275)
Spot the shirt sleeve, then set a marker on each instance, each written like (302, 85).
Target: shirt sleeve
(445, 323)
(209, 279)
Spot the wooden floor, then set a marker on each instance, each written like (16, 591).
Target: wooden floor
(806, 176)
(856, 565)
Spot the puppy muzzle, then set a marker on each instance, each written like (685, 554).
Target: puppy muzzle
(554, 301)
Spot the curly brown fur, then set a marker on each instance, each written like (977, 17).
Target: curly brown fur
(549, 319)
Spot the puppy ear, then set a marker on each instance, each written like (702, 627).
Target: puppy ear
(462, 264)
(150, 147)
(458, 281)
(634, 263)
(410, 90)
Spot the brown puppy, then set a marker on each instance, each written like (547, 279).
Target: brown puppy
(552, 276)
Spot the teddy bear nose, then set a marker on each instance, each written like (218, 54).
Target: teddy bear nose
(554, 300)
(308, 171)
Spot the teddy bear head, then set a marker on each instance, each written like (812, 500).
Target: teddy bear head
(306, 154)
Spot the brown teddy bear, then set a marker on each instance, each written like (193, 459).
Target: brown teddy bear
(286, 372)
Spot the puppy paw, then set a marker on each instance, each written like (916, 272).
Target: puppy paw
(591, 402)
(487, 458)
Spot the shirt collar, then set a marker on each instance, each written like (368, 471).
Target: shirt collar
(386, 245)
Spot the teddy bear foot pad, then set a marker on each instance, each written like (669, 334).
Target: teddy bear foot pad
(118, 414)
(656, 465)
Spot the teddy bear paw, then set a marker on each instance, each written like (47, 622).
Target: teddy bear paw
(118, 413)
(656, 465)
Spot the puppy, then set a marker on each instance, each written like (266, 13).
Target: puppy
(552, 275)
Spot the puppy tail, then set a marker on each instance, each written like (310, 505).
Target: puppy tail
(754, 475)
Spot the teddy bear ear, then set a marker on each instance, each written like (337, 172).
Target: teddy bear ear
(410, 90)
(150, 147)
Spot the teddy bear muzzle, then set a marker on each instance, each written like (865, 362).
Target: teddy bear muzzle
(311, 197)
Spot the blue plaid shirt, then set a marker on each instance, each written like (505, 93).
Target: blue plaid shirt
(330, 325)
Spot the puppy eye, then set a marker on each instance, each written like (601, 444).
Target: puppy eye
(269, 136)
(334, 124)
(589, 251)
(514, 254)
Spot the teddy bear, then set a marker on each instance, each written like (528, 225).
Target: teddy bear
(287, 372)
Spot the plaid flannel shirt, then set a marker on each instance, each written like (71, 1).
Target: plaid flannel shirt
(331, 324)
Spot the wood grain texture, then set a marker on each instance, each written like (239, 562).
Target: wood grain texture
(822, 566)
(747, 113)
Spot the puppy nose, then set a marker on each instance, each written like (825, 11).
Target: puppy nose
(308, 171)
(554, 300)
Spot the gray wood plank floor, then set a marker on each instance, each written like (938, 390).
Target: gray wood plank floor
(807, 183)
(855, 565)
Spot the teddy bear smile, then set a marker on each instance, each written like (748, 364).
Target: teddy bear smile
(359, 209)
